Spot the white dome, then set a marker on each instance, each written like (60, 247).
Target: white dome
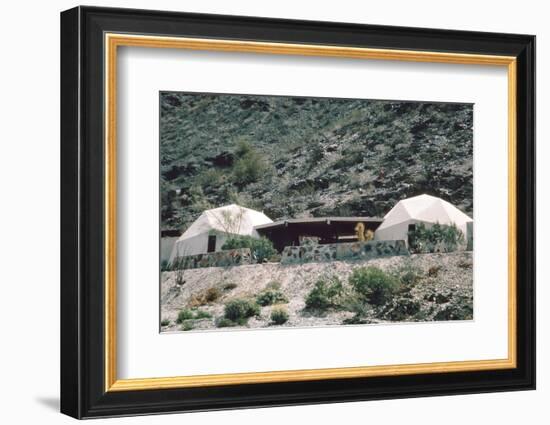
(228, 220)
(420, 209)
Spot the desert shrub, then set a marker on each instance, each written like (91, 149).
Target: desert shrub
(204, 297)
(211, 179)
(279, 316)
(375, 286)
(325, 294)
(409, 277)
(185, 314)
(240, 309)
(223, 322)
(352, 302)
(349, 159)
(244, 199)
(164, 322)
(197, 300)
(305, 188)
(433, 271)
(408, 274)
(270, 297)
(178, 266)
(439, 237)
(190, 315)
(401, 309)
(229, 286)
(201, 314)
(249, 167)
(198, 200)
(273, 285)
(242, 148)
(421, 316)
(261, 248)
(316, 154)
(212, 294)
(460, 309)
(180, 276)
(187, 326)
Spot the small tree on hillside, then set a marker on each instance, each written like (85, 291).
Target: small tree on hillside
(250, 166)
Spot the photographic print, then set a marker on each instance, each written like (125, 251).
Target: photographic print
(284, 211)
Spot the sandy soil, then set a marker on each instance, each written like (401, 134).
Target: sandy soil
(446, 281)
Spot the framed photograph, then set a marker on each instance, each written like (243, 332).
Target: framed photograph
(261, 212)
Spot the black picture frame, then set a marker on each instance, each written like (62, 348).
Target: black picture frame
(83, 392)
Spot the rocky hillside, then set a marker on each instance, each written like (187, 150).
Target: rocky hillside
(434, 287)
(303, 157)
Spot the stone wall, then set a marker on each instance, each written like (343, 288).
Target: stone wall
(297, 254)
(231, 257)
(343, 251)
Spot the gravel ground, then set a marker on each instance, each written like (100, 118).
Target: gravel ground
(443, 290)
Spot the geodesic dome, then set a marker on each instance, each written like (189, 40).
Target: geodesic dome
(425, 209)
(217, 223)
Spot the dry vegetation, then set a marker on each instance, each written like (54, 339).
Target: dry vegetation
(422, 287)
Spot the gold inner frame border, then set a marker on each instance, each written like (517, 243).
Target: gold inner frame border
(111, 43)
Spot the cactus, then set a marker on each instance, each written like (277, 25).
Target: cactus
(360, 232)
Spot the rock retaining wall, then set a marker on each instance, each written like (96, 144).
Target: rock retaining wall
(231, 257)
(343, 251)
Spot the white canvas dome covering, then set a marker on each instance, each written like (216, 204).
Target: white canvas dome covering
(422, 209)
(215, 226)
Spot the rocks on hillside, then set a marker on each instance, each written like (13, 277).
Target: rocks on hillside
(310, 157)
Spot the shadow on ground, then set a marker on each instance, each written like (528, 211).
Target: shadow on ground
(49, 402)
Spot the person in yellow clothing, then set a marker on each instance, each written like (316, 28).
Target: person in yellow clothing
(363, 236)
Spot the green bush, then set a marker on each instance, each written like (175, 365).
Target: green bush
(401, 309)
(261, 248)
(279, 316)
(325, 294)
(460, 309)
(240, 309)
(408, 274)
(211, 179)
(440, 237)
(354, 303)
(374, 285)
(185, 314)
(270, 297)
(242, 148)
(201, 314)
(222, 322)
(164, 322)
(187, 326)
(250, 166)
